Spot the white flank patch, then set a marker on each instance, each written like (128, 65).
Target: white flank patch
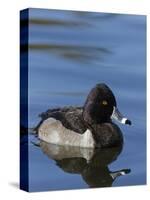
(52, 131)
(54, 137)
(87, 140)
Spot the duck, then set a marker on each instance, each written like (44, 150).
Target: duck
(88, 126)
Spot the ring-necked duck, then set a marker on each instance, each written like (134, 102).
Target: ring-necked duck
(87, 126)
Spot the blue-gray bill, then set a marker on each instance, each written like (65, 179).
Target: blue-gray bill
(122, 172)
(116, 115)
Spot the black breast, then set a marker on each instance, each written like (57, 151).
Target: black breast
(107, 134)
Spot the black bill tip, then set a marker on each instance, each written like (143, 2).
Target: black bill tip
(128, 122)
(127, 171)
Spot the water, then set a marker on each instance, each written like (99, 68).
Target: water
(69, 52)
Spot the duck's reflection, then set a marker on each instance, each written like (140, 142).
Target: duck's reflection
(91, 164)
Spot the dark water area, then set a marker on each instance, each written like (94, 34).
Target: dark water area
(70, 52)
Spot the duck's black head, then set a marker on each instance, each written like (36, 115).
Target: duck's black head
(101, 106)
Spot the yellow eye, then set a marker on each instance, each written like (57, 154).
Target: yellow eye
(104, 102)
